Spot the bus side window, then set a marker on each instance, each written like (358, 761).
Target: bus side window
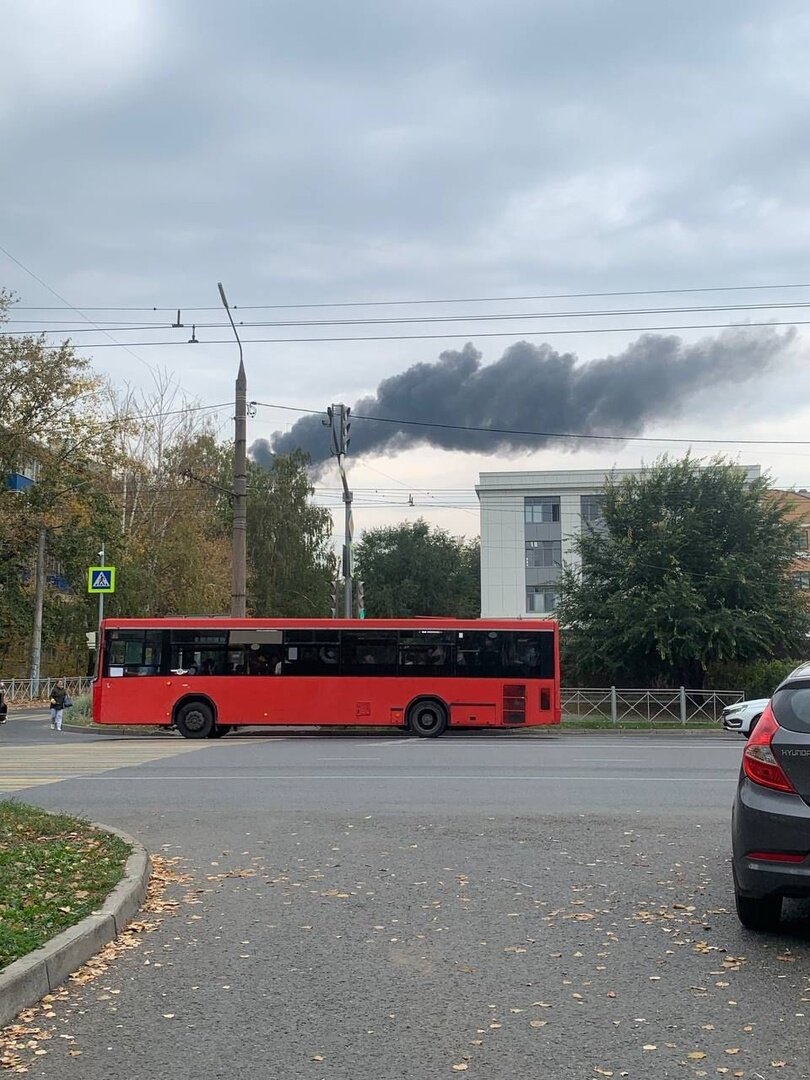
(372, 652)
(478, 653)
(425, 652)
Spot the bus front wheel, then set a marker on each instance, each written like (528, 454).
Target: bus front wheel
(195, 720)
(427, 718)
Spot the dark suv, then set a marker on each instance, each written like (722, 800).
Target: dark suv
(771, 819)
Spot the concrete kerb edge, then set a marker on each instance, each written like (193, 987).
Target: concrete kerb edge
(27, 980)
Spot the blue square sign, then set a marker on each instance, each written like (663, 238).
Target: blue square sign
(101, 579)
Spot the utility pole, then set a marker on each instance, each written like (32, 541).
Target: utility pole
(339, 419)
(239, 585)
(39, 601)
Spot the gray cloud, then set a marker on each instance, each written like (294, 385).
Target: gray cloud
(536, 388)
(316, 152)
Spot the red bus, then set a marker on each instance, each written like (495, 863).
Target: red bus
(205, 676)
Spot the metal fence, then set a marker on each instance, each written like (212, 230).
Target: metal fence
(611, 705)
(40, 689)
(606, 705)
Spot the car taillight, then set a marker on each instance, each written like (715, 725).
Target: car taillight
(776, 856)
(759, 764)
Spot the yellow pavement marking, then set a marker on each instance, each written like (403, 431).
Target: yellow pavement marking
(32, 766)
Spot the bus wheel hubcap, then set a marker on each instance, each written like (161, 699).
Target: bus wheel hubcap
(194, 720)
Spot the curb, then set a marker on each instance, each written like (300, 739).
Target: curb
(115, 729)
(551, 731)
(28, 979)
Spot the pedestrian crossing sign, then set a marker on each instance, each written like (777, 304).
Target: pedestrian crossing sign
(101, 579)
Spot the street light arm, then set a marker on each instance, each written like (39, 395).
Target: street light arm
(227, 307)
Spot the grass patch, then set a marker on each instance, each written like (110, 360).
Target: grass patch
(54, 870)
(593, 724)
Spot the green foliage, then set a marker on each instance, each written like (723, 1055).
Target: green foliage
(756, 680)
(52, 411)
(291, 565)
(82, 711)
(690, 569)
(172, 544)
(411, 569)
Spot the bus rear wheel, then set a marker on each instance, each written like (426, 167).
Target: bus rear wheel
(427, 718)
(195, 720)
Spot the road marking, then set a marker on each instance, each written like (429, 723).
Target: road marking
(409, 777)
(352, 759)
(604, 760)
(50, 763)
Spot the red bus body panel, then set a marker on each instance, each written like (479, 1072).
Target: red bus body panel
(304, 700)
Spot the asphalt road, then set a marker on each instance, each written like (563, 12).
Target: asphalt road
(367, 907)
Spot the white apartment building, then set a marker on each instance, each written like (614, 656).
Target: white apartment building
(529, 521)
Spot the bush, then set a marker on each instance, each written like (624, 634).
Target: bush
(756, 680)
(82, 710)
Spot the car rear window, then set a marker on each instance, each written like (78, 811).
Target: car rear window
(791, 707)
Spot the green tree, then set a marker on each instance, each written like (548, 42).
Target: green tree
(172, 541)
(689, 568)
(411, 569)
(290, 559)
(52, 410)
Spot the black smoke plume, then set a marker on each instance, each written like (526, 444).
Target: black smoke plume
(536, 388)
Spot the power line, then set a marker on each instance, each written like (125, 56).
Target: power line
(173, 412)
(53, 292)
(443, 337)
(541, 434)
(442, 300)
(487, 317)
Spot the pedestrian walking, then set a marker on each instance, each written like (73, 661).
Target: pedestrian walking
(3, 706)
(58, 695)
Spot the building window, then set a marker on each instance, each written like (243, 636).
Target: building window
(591, 508)
(802, 579)
(542, 509)
(541, 600)
(803, 540)
(543, 553)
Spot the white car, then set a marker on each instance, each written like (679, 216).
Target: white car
(743, 716)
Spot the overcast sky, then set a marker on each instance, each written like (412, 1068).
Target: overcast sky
(311, 152)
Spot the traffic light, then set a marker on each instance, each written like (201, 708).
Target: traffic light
(335, 593)
(361, 600)
(90, 638)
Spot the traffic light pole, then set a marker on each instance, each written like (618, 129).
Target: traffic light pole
(347, 556)
(338, 419)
